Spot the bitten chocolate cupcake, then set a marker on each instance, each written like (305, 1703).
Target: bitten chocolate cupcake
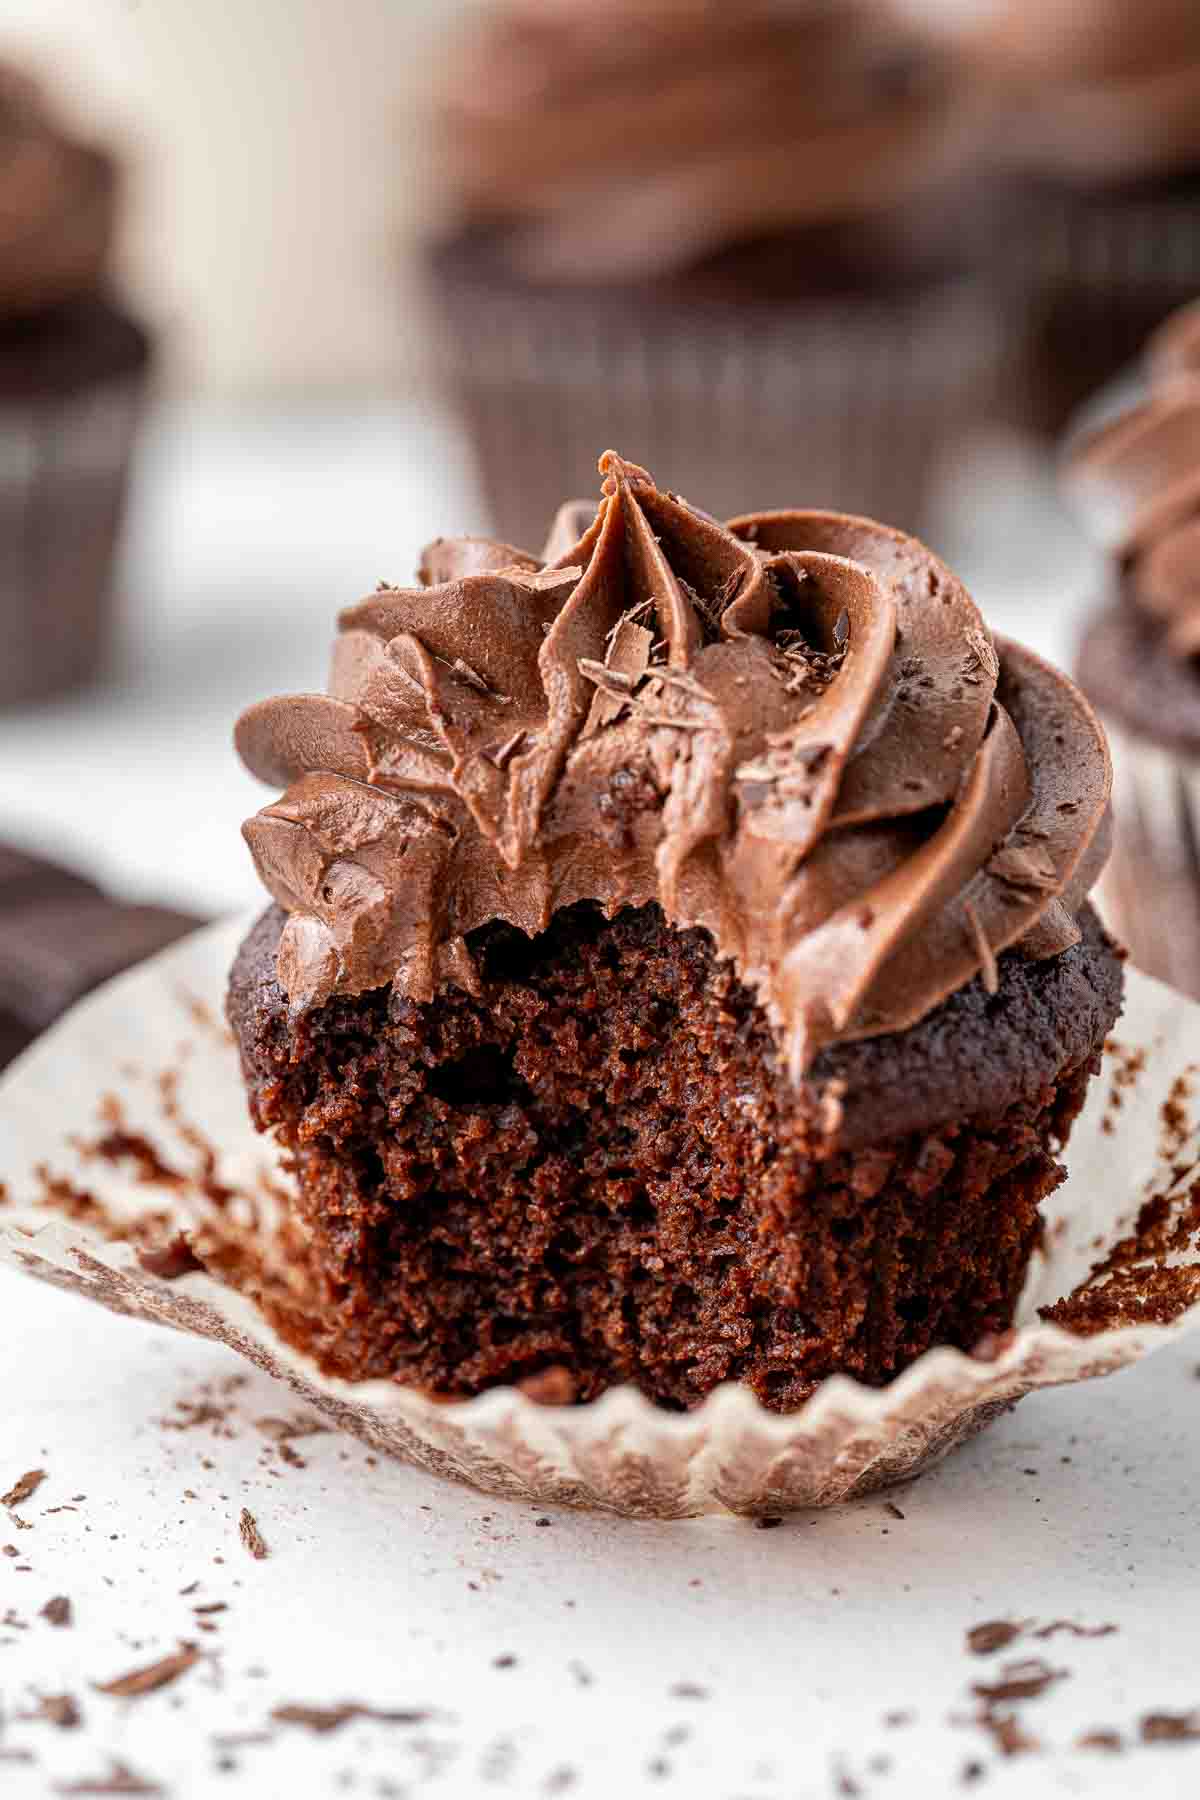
(73, 368)
(681, 967)
(719, 236)
(1137, 479)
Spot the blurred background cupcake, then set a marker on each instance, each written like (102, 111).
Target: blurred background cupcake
(73, 368)
(1135, 476)
(1090, 206)
(727, 240)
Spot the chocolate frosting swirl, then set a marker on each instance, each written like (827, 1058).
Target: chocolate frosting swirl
(630, 140)
(1136, 478)
(794, 731)
(57, 204)
(1089, 90)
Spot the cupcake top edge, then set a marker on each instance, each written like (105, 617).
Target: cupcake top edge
(795, 732)
(58, 203)
(1136, 481)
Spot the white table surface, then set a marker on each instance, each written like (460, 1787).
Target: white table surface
(389, 1588)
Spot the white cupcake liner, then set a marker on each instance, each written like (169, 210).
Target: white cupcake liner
(106, 1061)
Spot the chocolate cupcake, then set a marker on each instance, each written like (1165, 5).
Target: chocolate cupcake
(1094, 206)
(721, 237)
(681, 967)
(1137, 479)
(73, 368)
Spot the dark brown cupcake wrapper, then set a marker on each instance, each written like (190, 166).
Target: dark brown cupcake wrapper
(64, 466)
(67, 1198)
(845, 402)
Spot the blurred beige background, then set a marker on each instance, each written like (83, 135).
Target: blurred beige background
(268, 137)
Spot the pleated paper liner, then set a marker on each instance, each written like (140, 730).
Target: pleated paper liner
(125, 1146)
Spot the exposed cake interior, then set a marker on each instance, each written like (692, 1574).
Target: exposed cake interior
(596, 1171)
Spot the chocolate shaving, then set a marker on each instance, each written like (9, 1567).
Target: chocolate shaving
(502, 756)
(983, 652)
(324, 1719)
(1170, 1728)
(989, 972)
(148, 1680)
(23, 1488)
(251, 1536)
(474, 679)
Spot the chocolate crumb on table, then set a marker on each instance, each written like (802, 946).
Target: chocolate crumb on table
(57, 1610)
(325, 1719)
(23, 1488)
(1170, 1728)
(1020, 1681)
(155, 1675)
(121, 1779)
(1103, 1738)
(251, 1536)
(993, 1635)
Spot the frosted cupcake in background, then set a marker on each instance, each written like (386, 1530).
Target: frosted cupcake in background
(1136, 479)
(73, 369)
(1094, 206)
(721, 237)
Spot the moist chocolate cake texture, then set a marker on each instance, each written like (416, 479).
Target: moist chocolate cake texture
(681, 968)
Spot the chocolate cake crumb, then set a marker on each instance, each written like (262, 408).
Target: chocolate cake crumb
(170, 1260)
(1007, 1734)
(891, 1507)
(149, 1679)
(1020, 1681)
(507, 1661)
(23, 1488)
(251, 1536)
(1170, 1728)
(554, 1386)
(1101, 1739)
(674, 1248)
(57, 1610)
(993, 1635)
(768, 1521)
(971, 1773)
(61, 1710)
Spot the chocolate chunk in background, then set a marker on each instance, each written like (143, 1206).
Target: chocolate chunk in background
(60, 937)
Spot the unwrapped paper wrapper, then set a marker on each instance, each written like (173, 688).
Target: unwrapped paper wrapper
(147, 1066)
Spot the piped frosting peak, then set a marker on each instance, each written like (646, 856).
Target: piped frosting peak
(793, 731)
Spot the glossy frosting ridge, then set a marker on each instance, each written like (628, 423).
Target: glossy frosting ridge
(794, 731)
